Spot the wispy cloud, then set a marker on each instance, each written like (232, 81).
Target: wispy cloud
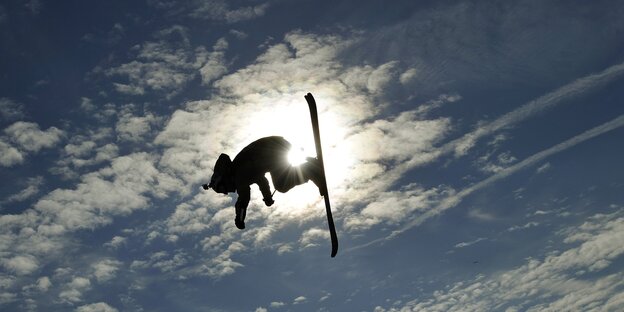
(543, 168)
(11, 110)
(30, 138)
(220, 10)
(553, 283)
(469, 243)
(96, 307)
(168, 64)
(455, 199)
(23, 138)
(32, 189)
(523, 227)
(560, 96)
(9, 155)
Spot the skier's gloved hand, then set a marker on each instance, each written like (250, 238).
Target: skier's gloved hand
(268, 201)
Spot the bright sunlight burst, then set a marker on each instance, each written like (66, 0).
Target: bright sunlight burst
(297, 156)
(287, 115)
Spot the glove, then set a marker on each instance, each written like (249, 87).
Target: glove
(268, 201)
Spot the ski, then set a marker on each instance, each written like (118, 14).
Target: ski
(319, 155)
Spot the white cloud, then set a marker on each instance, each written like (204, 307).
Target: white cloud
(238, 34)
(261, 309)
(9, 155)
(408, 76)
(283, 249)
(560, 281)
(21, 264)
(539, 105)
(85, 150)
(523, 227)
(220, 10)
(398, 139)
(106, 269)
(299, 300)
(215, 65)
(86, 104)
(28, 136)
(116, 190)
(72, 292)
(169, 64)
(186, 219)
(481, 215)
(166, 65)
(222, 265)
(169, 264)
(126, 88)
(457, 197)
(543, 168)
(96, 307)
(31, 190)
(131, 127)
(431, 105)
(10, 110)
(325, 297)
(7, 297)
(81, 149)
(469, 243)
(500, 162)
(312, 236)
(116, 242)
(409, 201)
(277, 304)
(559, 96)
(44, 284)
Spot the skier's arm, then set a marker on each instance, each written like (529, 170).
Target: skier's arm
(265, 189)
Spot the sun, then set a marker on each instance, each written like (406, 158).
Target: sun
(297, 156)
(287, 115)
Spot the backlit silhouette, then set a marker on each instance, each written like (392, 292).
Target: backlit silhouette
(269, 154)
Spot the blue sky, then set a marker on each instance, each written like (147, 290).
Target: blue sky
(473, 153)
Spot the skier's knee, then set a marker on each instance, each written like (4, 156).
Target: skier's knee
(282, 188)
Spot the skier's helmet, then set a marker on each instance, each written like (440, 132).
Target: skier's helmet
(222, 180)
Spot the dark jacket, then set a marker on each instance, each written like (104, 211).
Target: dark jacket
(269, 154)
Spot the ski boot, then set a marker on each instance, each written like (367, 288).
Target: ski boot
(239, 223)
(312, 170)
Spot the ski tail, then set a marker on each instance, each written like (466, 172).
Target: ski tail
(319, 155)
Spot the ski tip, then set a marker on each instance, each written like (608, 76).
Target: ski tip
(309, 97)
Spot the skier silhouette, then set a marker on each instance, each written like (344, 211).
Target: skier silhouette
(268, 154)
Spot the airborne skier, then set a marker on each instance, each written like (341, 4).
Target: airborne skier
(269, 154)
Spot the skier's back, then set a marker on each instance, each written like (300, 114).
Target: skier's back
(268, 154)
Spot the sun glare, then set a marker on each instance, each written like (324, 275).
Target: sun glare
(297, 156)
(288, 116)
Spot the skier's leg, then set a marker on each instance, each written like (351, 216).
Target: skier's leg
(287, 177)
(241, 205)
(311, 170)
